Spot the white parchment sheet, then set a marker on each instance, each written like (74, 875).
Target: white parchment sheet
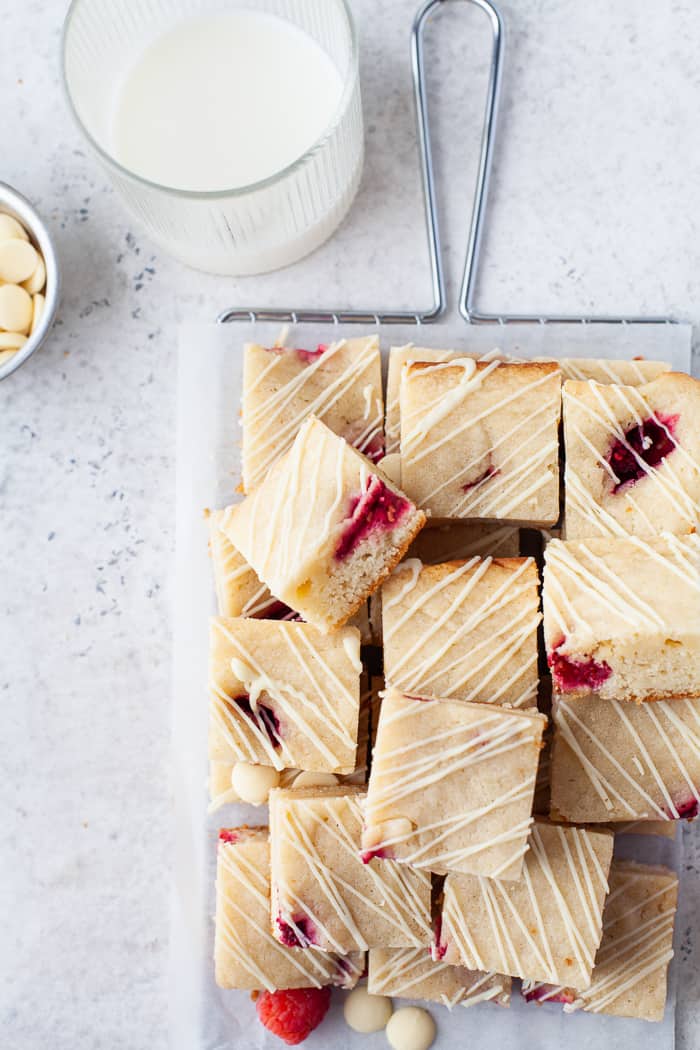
(203, 1017)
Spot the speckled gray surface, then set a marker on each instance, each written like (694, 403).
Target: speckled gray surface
(595, 207)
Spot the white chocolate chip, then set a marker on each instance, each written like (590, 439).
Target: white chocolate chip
(411, 1028)
(253, 783)
(12, 340)
(5, 356)
(366, 1013)
(314, 780)
(38, 304)
(36, 282)
(10, 229)
(15, 307)
(18, 260)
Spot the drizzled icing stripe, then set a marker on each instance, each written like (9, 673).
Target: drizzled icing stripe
(380, 900)
(410, 973)
(569, 902)
(622, 373)
(266, 437)
(520, 471)
(333, 738)
(401, 776)
(652, 734)
(667, 485)
(488, 670)
(243, 930)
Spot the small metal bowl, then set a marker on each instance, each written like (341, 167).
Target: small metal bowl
(19, 207)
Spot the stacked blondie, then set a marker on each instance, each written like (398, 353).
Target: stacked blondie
(455, 669)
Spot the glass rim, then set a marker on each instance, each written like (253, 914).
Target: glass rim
(350, 81)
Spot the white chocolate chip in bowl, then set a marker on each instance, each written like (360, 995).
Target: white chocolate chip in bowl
(411, 1028)
(37, 281)
(366, 1013)
(15, 308)
(253, 783)
(18, 260)
(10, 229)
(11, 341)
(38, 306)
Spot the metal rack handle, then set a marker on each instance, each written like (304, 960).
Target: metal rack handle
(467, 300)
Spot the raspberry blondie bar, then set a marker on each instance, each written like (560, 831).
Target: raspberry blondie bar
(480, 440)
(622, 616)
(544, 927)
(322, 892)
(246, 955)
(631, 966)
(324, 528)
(632, 457)
(477, 624)
(282, 694)
(461, 798)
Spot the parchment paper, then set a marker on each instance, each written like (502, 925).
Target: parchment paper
(203, 1017)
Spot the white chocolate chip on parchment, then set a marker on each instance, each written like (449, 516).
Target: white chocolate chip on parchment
(366, 1013)
(411, 1028)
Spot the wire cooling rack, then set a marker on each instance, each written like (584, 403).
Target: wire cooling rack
(467, 298)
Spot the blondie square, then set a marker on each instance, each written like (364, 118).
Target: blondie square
(480, 440)
(547, 925)
(340, 383)
(632, 457)
(246, 955)
(614, 761)
(451, 785)
(324, 894)
(410, 973)
(324, 529)
(464, 539)
(622, 616)
(631, 966)
(477, 624)
(284, 695)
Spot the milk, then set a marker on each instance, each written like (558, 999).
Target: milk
(221, 101)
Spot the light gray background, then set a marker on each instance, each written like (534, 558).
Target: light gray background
(595, 207)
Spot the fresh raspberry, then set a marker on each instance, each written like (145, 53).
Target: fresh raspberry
(293, 1014)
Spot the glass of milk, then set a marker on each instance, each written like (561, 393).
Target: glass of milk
(233, 130)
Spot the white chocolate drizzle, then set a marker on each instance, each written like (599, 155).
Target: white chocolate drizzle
(410, 973)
